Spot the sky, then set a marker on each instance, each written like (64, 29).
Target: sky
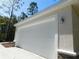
(42, 4)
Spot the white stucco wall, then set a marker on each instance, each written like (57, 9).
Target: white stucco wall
(40, 38)
(75, 30)
(39, 34)
(65, 29)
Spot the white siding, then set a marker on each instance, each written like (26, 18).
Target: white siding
(75, 30)
(40, 39)
(65, 29)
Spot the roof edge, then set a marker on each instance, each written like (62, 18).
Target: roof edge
(49, 10)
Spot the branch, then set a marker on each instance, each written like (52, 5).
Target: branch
(1, 7)
(10, 1)
(5, 6)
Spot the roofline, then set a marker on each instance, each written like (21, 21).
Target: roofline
(52, 9)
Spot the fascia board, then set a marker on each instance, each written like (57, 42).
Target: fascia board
(50, 10)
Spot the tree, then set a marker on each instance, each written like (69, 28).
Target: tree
(14, 19)
(13, 5)
(23, 15)
(3, 26)
(4, 21)
(11, 28)
(33, 8)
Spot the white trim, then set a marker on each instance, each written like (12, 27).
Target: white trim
(36, 23)
(52, 10)
(67, 52)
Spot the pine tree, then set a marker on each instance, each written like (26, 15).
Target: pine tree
(33, 8)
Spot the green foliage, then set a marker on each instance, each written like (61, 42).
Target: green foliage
(14, 19)
(7, 29)
(33, 8)
(23, 15)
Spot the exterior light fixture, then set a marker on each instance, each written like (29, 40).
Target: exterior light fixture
(62, 20)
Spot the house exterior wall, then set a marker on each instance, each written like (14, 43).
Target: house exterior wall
(75, 19)
(65, 29)
(40, 39)
(44, 34)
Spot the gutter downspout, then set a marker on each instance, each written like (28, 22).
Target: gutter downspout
(67, 52)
